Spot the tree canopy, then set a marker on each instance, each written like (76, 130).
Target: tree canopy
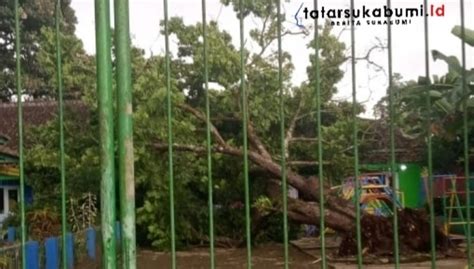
(448, 103)
(35, 17)
(188, 124)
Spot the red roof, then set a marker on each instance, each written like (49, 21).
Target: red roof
(35, 113)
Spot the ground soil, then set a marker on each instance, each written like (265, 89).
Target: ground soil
(377, 235)
(263, 257)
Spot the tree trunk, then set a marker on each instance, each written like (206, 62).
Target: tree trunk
(377, 232)
(309, 213)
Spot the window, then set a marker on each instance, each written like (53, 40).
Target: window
(2, 201)
(12, 199)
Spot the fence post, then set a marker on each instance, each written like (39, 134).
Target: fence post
(62, 162)
(393, 169)
(19, 89)
(51, 248)
(125, 134)
(106, 122)
(11, 234)
(322, 223)
(169, 110)
(91, 242)
(465, 135)
(70, 250)
(243, 96)
(430, 179)
(355, 128)
(32, 255)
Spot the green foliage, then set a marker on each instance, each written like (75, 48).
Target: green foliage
(259, 8)
(274, 230)
(190, 169)
(82, 157)
(78, 67)
(331, 57)
(263, 204)
(469, 34)
(447, 99)
(34, 15)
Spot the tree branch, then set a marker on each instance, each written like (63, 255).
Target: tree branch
(256, 142)
(199, 115)
(291, 128)
(307, 186)
(303, 139)
(380, 46)
(303, 163)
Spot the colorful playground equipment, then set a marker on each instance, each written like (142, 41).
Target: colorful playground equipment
(451, 190)
(376, 194)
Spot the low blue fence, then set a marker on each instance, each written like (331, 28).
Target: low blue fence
(47, 254)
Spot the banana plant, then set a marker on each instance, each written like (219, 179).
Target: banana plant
(446, 93)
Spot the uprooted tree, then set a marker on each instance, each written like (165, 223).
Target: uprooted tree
(189, 146)
(263, 124)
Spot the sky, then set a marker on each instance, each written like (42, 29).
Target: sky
(407, 40)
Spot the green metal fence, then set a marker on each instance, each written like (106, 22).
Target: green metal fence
(125, 140)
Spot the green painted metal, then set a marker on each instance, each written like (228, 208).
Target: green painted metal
(466, 137)
(125, 133)
(429, 142)
(356, 143)
(409, 180)
(106, 116)
(320, 143)
(396, 247)
(170, 138)
(243, 94)
(208, 139)
(20, 133)
(284, 184)
(62, 167)
(410, 184)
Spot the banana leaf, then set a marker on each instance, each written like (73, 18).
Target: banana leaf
(469, 34)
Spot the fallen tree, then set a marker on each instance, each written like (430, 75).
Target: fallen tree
(263, 91)
(339, 214)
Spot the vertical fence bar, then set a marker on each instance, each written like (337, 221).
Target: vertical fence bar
(125, 133)
(243, 93)
(429, 139)
(322, 224)
(396, 247)
(284, 184)
(356, 142)
(467, 177)
(170, 138)
(20, 133)
(104, 88)
(208, 138)
(62, 168)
